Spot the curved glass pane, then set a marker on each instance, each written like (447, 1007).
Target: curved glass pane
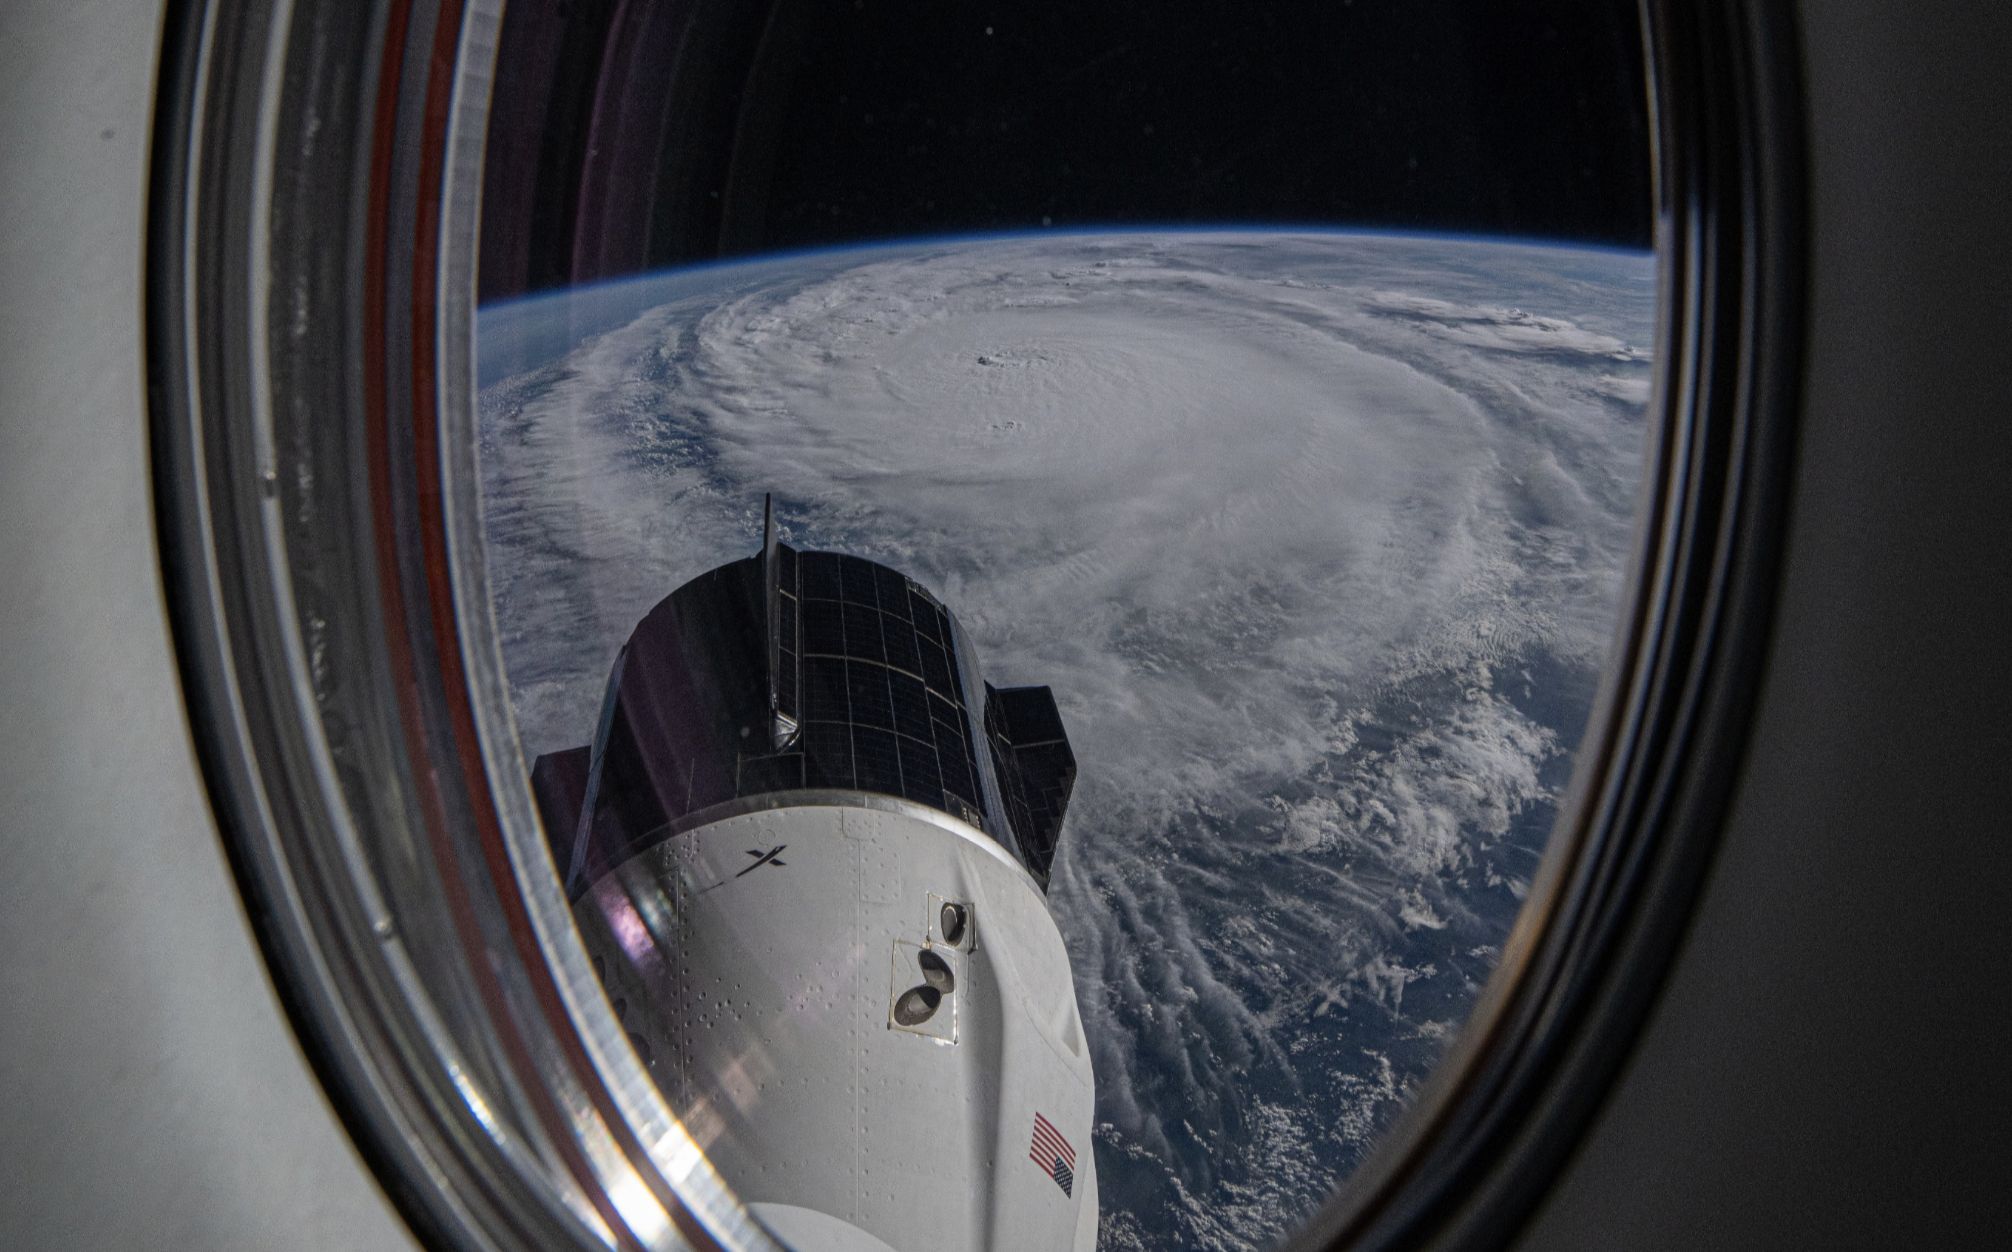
(1047, 686)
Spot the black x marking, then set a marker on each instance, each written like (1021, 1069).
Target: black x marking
(763, 858)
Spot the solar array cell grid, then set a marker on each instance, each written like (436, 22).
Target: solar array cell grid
(788, 618)
(923, 614)
(819, 571)
(920, 776)
(824, 691)
(823, 628)
(862, 633)
(911, 706)
(876, 762)
(948, 740)
(827, 750)
(945, 709)
(957, 776)
(872, 704)
(899, 638)
(869, 670)
(856, 582)
(935, 669)
(891, 589)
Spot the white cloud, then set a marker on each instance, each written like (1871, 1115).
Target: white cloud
(1503, 329)
(1280, 519)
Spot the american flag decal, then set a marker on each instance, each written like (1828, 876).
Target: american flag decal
(1054, 1155)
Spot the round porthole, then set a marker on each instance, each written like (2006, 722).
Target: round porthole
(917, 1005)
(936, 972)
(950, 923)
(1148, 479)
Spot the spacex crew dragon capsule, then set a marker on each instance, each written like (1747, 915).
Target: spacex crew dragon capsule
(809, 847)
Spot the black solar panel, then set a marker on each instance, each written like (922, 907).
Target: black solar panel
(819, 571)
(866, 662)
(791, 655)
(876, 761)
(957, 777)
(922, 780)
(899, 638)
(827, 753)
(936, 669)
(788, 618)
(872, 704)
(892, 592)
(823, 628)
(923, 614)
(862, 633)
(1035, 766)
(824, 691)
(857, 582)
(911, 706)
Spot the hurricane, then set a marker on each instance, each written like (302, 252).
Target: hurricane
(1319, 537)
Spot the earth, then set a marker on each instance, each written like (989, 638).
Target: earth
(1319, 538)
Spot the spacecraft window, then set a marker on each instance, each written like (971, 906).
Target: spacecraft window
(936, 972)
(917, 1005)
(950, 923)
(1270, 501)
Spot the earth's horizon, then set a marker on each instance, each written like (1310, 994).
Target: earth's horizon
(1318, 536)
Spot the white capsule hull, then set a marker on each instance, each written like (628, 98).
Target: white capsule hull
(760, 959)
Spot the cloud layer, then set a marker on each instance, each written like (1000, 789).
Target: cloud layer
(1318, 538)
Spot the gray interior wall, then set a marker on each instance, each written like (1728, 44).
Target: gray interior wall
(154, 1095)
(1827, 1066)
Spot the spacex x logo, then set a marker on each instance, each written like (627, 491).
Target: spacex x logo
(771, 856)
(764, 858)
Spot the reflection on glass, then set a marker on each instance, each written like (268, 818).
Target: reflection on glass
(1314, 540)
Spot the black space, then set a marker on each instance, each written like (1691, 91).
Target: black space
(638, 136)
(1393, 113)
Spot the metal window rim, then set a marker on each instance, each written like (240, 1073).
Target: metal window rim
(309, 316)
